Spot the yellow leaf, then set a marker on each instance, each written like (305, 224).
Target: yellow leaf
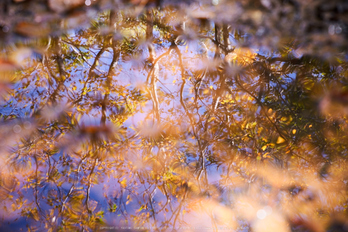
(123, 183)
(259, 130)
(283, 119)
(243, 55)
(211, 119)
(206, 91)
(79, 117)
(294, 131)
(264, 147)
(141, 208)
(280, 140)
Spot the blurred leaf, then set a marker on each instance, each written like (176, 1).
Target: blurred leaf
(280, 140)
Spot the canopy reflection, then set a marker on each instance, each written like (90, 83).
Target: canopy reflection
(146, 115)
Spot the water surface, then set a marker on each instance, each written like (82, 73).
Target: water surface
(185, 116)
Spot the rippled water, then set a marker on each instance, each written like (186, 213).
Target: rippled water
(161, 116)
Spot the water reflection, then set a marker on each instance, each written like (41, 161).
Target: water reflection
(210, 115)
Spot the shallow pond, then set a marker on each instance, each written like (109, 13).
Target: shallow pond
(188, 116)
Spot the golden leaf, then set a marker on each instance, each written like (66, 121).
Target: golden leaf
(280, 140)
(124, 183)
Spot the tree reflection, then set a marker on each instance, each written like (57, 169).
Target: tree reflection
(173, 119)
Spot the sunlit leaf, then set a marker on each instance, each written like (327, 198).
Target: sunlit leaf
(280, 140)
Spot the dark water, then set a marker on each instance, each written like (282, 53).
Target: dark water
(185, 116)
